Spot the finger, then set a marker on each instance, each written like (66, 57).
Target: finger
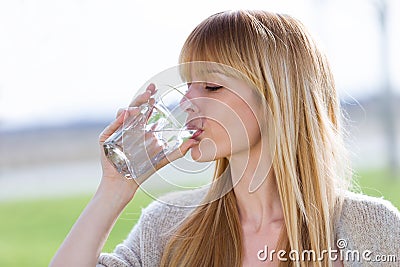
(119, 112)
(152, 101)
(154, 127)
(178, 153)
(112, 127)
(144, 97)
(154, 150)
(151, 88)
(131, 112)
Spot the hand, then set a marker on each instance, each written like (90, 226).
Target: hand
(107, 167)
(178, 153)
(113, 182)
(152, 145)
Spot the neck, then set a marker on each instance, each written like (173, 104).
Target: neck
(255, 188)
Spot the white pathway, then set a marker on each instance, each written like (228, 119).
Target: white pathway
(64, 179)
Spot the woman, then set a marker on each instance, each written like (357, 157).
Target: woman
(284, 105)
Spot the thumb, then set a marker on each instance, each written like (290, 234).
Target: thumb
(178, 153)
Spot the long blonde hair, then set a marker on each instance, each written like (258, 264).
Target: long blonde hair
(276, 53)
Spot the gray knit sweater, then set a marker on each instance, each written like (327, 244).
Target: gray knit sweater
(368, 227)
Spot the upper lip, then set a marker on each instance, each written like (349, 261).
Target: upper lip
(196, 134)
(194, 124)
(193, 127)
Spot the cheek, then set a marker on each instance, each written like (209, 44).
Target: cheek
(228, 134)
(251, 126)
(240, 125)
(230, 127)
(215, 142)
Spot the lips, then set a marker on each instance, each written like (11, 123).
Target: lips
(196, 134)
(196, 125)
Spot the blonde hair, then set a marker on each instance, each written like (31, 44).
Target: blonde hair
(277, 55)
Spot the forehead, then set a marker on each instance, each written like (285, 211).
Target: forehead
(203, 70)
(215, 73)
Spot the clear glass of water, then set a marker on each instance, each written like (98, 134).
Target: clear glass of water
(145, 139)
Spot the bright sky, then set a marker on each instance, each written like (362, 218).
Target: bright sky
(65, 60)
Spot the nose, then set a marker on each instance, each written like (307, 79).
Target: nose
(190, 104)
(188, 99)
(189, 91)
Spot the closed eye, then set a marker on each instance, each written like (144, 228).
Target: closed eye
(213, 88)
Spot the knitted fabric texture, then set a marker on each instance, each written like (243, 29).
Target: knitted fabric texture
(365, 224)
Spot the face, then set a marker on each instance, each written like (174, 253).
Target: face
(229, 110)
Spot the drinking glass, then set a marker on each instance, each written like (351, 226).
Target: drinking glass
(155, 132)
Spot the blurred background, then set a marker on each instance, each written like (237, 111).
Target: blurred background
(67, 66)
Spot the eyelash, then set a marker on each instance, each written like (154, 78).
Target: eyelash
(210, 88)
(213, 88)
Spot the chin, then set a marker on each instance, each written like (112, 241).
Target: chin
(196, 154)
(205, 153)
(199, 155)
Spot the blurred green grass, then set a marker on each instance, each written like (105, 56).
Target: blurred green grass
(31, 231)
(379, 183)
